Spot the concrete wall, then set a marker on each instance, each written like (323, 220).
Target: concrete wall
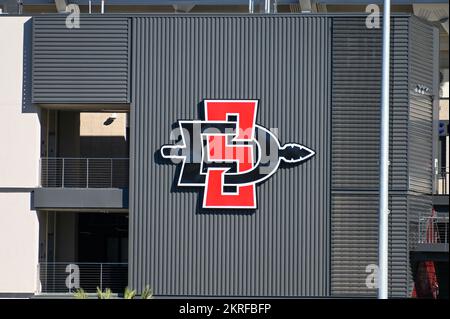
(97, 124)
(18, 244)
(19, 160)
(19, 120)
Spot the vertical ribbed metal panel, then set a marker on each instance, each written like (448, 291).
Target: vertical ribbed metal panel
(356, 91)
(85, 65)
(421, 107)
(282, 249)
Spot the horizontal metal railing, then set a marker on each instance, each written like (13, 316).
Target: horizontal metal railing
(84, 172)
(58, 277)
(442, 181)
(433, 229)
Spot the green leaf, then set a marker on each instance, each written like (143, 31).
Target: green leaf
(80, 294)
(104, 295)
(147, 293)
(129, 294)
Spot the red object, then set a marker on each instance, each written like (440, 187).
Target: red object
(245, 196)
(426, 284)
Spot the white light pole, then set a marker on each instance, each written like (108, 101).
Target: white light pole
(251, 6)
(267, 6)
(384, 159)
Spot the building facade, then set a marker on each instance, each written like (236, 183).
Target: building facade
(85, 192)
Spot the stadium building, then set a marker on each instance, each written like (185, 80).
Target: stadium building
(108, 177)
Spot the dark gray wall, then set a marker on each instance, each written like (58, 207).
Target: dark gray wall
(355, 154)
(355, 244)
(66, 237)
(85, 65)
(68, 134)
(355, 149)
(282, 249)
(423, 112)
(80, 198)
(356, 104)
(424, 40)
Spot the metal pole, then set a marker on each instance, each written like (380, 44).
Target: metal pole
(70, 272)
(251, 6)
(63, 169)
(20, 6)
(267, 6)
(87, 173)
(384, 159)
(101, 277)
(111, 167)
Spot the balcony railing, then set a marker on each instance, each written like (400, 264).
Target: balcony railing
(84, 172)
(433, 229)
(442, 181)
(66, 277)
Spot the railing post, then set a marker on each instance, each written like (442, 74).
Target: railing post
(53, 275)
(446, 232)
(101, 277)
(40, 172)
(62, 173)
(446, 180)
(111, 167)
(69, 286)
(38, 282)
(87, 173)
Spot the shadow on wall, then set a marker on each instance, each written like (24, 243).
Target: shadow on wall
(104, 146)
(32, 207)
(27, 105)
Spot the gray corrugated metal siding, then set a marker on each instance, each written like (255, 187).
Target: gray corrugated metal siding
(356, 103)
(85, 65)
(400, 280)
(355, 150)
(282, 249)
(310, 73)
(421, 107)
(355, 154)
(354, 241)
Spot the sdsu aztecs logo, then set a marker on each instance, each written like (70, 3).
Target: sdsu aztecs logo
(227, 153)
